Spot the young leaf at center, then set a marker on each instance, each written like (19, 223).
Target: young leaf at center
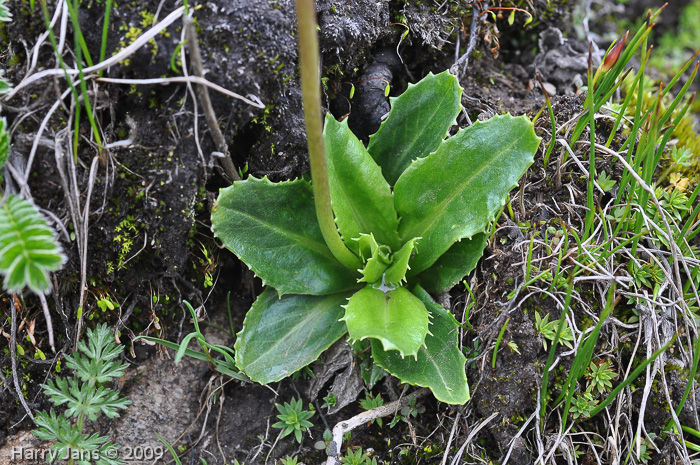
(397, 318)
(396, 273)
(440, 364)
(377, 258)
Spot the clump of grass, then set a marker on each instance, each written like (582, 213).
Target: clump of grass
(633, 249)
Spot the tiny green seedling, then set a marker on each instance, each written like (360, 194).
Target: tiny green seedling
(325, 443)
(412, 410)
(600, 376)
(605, 182)
(548, 330)
(514, 347)
(370, 402)
(329, 401)
(293, 419)
(358, 457)
(289, 460)
(582, 405)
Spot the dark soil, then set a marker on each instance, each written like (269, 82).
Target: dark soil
(150, 247)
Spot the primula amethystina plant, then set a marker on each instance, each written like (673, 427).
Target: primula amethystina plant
(411, 208)
(357, 251)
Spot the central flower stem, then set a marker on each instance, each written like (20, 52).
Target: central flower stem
(311, 93)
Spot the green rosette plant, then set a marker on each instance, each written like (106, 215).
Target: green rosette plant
(411, 210)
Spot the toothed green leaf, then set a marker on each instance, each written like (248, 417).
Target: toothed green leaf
(396, 318)
(96, 364)
(361, 198)
(377, 258)
(282, 335)
(28, 248)
(83, 398)
(272, 227)
(70, 442)
(5, 14)
(440, 364)
(453, 193)
(453, 265)
(418, 121)
(396, 273)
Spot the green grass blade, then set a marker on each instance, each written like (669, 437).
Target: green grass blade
(105, 33)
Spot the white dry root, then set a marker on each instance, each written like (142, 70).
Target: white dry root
(363, 418)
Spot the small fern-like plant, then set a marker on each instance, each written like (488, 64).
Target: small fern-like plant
(5, 14)
(85, 396)
(28, 248)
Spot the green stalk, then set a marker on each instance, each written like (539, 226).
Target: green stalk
(645, 160)
(311, 93)
(498, 343)
(583, 357)
(80, 50)
(79, 39)
(681, 72)
(623, 109)
(667, 137)
(676, 101)
(105, 33)
(691, 218)
(590, 202)
(608, 80)
(71, 84)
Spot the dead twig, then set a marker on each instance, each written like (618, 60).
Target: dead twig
(449, 440)
(471, 436)
(365, 417)
(203, 92)
(463, 61)
(251, 100)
